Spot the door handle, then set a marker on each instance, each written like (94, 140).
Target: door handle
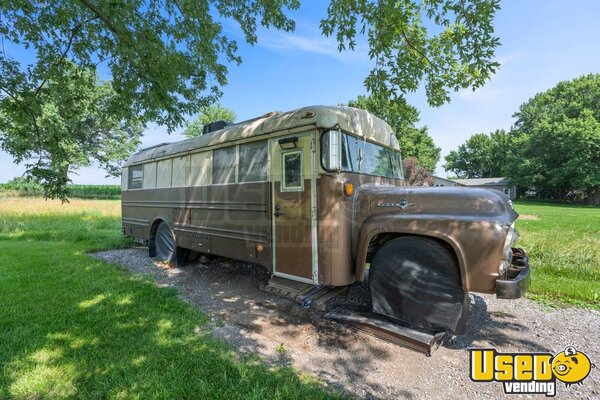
(277, 212)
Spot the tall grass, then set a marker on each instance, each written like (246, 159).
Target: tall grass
(95, 224)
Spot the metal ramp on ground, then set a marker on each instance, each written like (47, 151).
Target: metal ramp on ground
(303, 293)
(382, 327)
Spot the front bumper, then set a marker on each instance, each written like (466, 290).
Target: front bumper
(518, 277)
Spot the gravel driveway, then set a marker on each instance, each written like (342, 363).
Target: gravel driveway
(283, 333)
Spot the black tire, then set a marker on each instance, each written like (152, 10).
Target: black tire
(165, 244)
(416, 280)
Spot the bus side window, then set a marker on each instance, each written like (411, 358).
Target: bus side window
(163, 173)
(253, 162)
(150, 175)
(136, 176)
(180, 170)
(201, 169)
(124, 178)
(224, 161)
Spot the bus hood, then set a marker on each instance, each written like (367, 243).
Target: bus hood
(443, 202)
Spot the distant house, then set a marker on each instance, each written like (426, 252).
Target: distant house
(437, 181)
(501, 184)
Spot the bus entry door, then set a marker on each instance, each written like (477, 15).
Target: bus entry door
(294, 227)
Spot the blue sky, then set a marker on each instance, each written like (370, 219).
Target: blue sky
(542, 42)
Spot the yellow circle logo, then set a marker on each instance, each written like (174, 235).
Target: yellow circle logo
(571, 366)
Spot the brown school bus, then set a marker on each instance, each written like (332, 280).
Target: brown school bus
(317, 194)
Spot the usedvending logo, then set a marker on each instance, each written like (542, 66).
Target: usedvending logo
(530, 373)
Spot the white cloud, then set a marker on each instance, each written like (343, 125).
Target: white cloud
(495, 88)
(307, 38)
(310, 43)
(506, 58)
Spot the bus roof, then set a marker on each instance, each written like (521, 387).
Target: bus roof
(349, 119)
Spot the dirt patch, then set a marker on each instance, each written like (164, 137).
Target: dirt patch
(284, 333)
(530, 217)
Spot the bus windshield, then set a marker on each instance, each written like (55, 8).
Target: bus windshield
(358, 155)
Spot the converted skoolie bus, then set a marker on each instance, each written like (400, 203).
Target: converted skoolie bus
(314, 195)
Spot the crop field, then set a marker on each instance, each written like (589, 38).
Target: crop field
(75, 327)
(22, 187)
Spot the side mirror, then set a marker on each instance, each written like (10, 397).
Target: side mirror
(334, 159)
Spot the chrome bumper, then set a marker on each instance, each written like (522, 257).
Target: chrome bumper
(517, 279)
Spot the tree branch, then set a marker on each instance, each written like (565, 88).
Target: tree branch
(119, 35)
(10, 95)
(92, 7)
(74, 32)
(415, 49)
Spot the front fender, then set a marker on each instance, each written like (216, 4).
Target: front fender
(476, 243)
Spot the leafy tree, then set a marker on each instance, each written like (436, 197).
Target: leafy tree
(415, 174)
(212, 113)
(167, 59)
(72, 120)
(481, 156)
(444, 44)
(557, 140)
(402, 117)
(416, 142)
(553, 149)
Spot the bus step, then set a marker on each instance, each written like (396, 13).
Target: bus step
(303, 293)
(361, 319)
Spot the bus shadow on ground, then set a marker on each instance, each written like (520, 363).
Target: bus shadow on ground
(493, 329)
(279, 330)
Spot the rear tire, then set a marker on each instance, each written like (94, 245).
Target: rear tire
(416, 280)
(165, 244)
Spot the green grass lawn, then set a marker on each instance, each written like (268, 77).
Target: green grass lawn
(75, 327)
(563, 242)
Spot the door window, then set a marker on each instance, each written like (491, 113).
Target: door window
(292, 180)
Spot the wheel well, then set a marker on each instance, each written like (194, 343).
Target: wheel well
(382, 238)
(152, 237)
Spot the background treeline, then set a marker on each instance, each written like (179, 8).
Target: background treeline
(551, 152)
(27, 187)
